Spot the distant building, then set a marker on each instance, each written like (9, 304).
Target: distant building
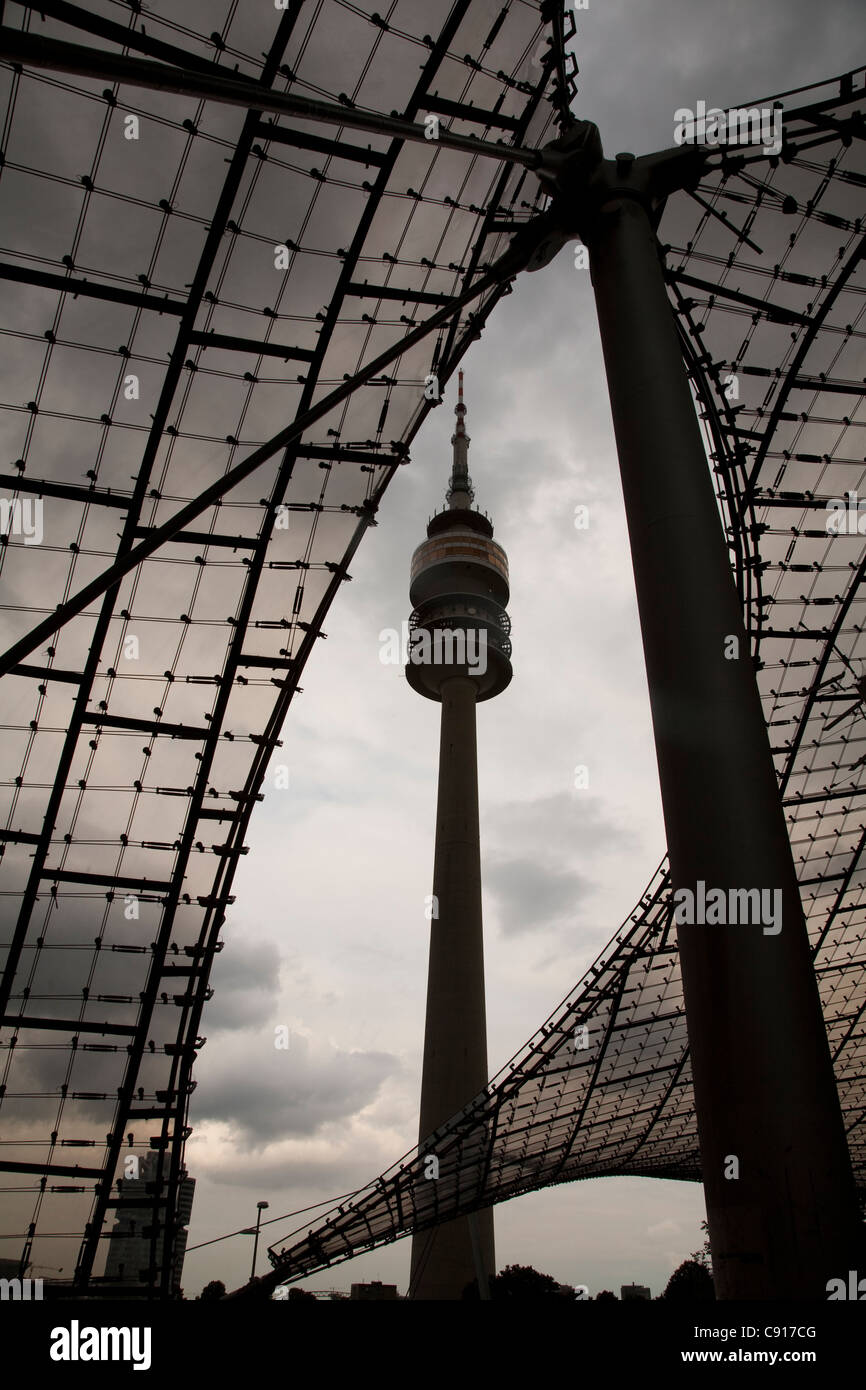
(374, 1292)
(129, 1250)
(284, 1291)
(634, 1291)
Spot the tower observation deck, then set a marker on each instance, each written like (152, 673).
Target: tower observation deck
(459, 589)
(459, 653)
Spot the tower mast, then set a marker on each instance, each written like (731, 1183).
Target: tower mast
(459, 654)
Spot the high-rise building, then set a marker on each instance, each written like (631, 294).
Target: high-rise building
(631, 1291)
(374, 1292)
(129, 1250)
(459, 654)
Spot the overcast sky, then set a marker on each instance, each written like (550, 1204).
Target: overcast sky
(328, 935)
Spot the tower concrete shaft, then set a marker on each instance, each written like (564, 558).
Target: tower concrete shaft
(459, 655)
(455, 1035)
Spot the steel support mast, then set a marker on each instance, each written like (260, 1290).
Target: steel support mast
(780, 1194)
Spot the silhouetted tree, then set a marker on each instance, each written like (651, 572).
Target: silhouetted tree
(295, 1292)
(691, 1283)
(257, 1290)
(520, 1281)
(212, 1291)
(606, 1297)
(704, 1255)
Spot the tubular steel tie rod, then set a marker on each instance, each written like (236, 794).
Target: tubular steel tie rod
(29, 49)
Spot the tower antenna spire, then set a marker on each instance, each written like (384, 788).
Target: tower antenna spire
(460, 494)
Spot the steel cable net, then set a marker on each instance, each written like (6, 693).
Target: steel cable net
(765, 264)
(185, 278)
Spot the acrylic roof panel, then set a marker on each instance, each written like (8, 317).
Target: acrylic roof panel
(183, 279)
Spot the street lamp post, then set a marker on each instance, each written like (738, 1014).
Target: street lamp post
(261, 1206)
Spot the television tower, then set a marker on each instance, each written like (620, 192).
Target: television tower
(459, 653)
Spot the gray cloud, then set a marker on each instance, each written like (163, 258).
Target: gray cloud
(539, 887)
(530, 897)
(246, 981)
(559, 825)
(266, 1094)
